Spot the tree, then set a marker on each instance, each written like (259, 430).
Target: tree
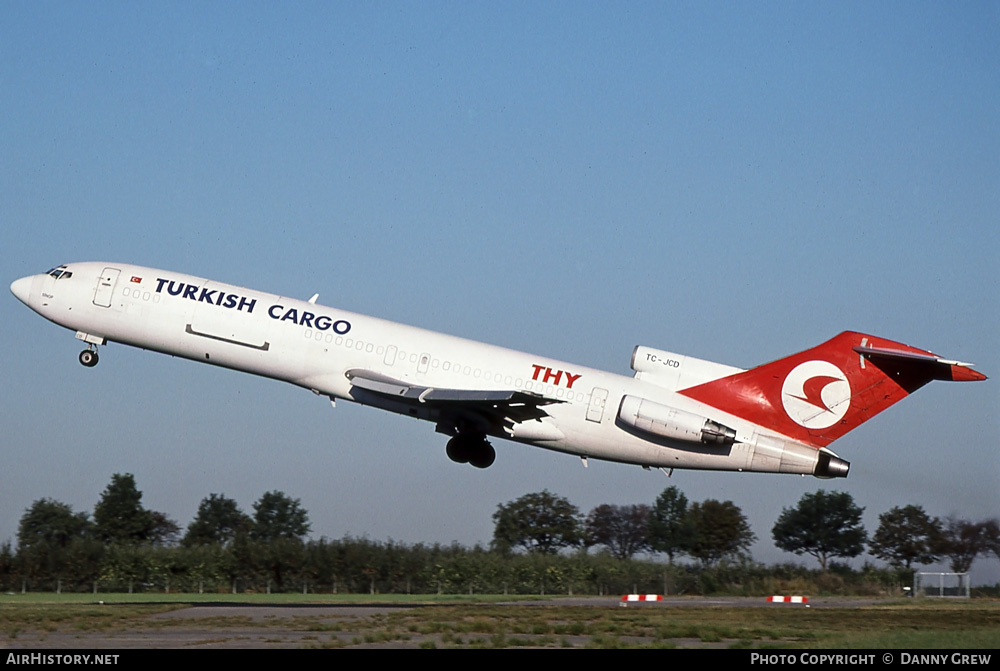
(962, 541)
(119, 516)
(218, 521)
(621, 529)
(719, 530)
(277, 515)
(52, 541)
(822, 525)
(992, 533)
(539, 522)
(8, 567)
(162, 529)
(906, 536)
(670, 529)
(51, 523)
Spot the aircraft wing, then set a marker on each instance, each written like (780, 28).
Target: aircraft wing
(505, 404)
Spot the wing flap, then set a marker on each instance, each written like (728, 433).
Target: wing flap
(511, 404)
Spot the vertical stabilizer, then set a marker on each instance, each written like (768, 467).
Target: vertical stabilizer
(818, 395)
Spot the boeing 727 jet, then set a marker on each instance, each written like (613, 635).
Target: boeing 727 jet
(675, 411)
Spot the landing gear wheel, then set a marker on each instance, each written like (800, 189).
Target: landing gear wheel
(483, 456)
(471, 449)
(89, 358)
(458, 449)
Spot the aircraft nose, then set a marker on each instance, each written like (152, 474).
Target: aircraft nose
(22, 289)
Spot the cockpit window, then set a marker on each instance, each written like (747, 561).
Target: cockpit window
(60, 273)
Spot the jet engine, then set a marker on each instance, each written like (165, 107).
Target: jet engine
(675, 371)
(674, 423)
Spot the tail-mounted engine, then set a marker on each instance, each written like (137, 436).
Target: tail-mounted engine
(667, 422)
(675, 371)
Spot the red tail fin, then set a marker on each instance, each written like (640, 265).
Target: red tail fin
(818, 395)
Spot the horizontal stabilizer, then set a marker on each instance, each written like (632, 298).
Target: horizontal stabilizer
(918, 366)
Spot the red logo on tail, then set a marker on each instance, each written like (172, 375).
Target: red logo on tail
(816, 394)
(813, 390)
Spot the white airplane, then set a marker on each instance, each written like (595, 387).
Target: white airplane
(674, 412)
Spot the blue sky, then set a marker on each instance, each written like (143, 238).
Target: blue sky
(733, 181)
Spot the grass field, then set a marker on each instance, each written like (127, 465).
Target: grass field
(455, 621)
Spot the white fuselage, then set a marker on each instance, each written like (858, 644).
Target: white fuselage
(315, 347)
